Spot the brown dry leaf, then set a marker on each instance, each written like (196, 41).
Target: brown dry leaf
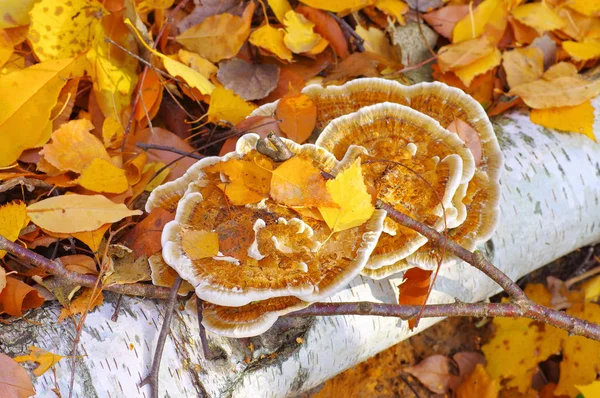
(2, 278)
(73, 147)
(469, 135)
(85, 302)
(13, 218)
(77, 213)
(209, 8)
(434, 373)
(296, 182)
(199, 244)
(298, 115)
(18, 296)
(44, 358)
(466, 361)
(444, 19)
(249, 81)
(144, 238)
(79, 263)
(14, 380)
(523, 65)
(365, 64)
(478, 384)
(219, 37)
(125, 267)
(414, 289)
(459, 55)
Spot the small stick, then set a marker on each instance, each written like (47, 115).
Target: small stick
(152, 378)
(351, 36)
(209, 354)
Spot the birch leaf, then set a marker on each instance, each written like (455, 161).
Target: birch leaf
(13, 218)
(271, 39)
(299, 35)
(227, 105)
(576, 119)
(338, 5)
(538, 16)
(103, 176)
(44, 358)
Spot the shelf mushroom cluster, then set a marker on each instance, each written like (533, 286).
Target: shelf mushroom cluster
(428, 150)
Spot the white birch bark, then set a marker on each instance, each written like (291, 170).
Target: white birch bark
(550, 206)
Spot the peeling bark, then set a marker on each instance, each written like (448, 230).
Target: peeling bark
(550, 206)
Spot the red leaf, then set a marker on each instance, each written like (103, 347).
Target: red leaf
(413, 291)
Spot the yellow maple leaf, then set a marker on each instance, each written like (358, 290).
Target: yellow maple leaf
(576, 118)
(103, 176)
(271, 39)
(467, 73)
(77, 213)
(60, 29)
(45, 359)
(73, 147)
(176, 68)
(489, 17)
(13, 218)
(299, 34)
(349, 191)
(338, 5)
(28, 97)
(227, 105)
(589, 49)
(538, 16)
(198, 244)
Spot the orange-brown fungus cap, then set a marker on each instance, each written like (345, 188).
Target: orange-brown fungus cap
(236, 254)
(248, 320)
(413, 164)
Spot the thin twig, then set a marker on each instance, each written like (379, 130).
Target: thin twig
(152, 378)
(351, 36)
(209, 354)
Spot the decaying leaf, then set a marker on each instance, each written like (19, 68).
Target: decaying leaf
(85, 302)
(249, 81)
(144, 238)
(433, 372)
(17, 296)
(45, 359)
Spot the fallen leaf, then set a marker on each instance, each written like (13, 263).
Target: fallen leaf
(13, 218)
(328, 28)
(478, 384)
(490, 18)
(163, 275)
(297, 182)
(197, 63)
(249, 81)
(60, 29)
(225, 105)
(219, 37)
(562, 91)
(414, 290)
(349, 192)
(299, 34)
(466, 361)
(125, 267)
(2, 278)
(467, 73)
(459, 55)
(18, 296)
(590, 390)
(44, 358)
(376, 41)
(209, 8)
(91, 238)
(523, 65)
(576, 119)
(271, 39)
(393, 8)
(591, 289)
(366, 64)
(538, 16)
(586, 7)
(197, 244)
(15, 13)
(338, 5)
(134, 167)
(85, 302)
(582, 51)
(33, 92)
(298, 115)
(102, 176)
(433, 372)
(280, 8)
(443, 20)
(469, 135)
(79, 263)
(144, 238)
(113, 133)
(150, 97)
(77, 213)
(14, 380)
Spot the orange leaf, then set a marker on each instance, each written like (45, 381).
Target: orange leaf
(45, 359)
(296, 182)
(478, 384)
(326, 26)
(413, 291)
(14, 380)
(298, 115)
(18, 296)
(469, 135)
(144, 238)
(86, 301)
(150, 99)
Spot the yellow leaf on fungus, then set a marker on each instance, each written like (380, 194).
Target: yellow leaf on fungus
(44, 358)
(538, 16)
(176, 68)
(349, 191)
(227, 105)
(13, 218)
(77, 213)
(198, 244)
(103, 176)
(271, 39)
(467, 73)
(299, 35)
(582, 51)
(63, 29)
(575, 119)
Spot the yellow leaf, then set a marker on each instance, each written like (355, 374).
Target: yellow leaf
(198, 244)
(44, 358)
(492, 13)
(280, 8)
(459, 55)
(538, 16)
(338, 5)
(227, 105)
(86, 301)
(394, 8)
(561, 69)
(299, 35)
(6, 47)
(523, 65)
(582, 51)
(13, 218)
(156, 181)
(586, 7)
(91, 238)
(591, 289)
(77, 213)
(28, 97)
(73, 147)
(478, 384)
(575, 119)
(297, 182)
(562, 91)
(113, 71)
(112, 133)
(590, 390)
(197, 63)
(376, 41)
(467, 73)
(15, 13)
(103, 176)
(175, 68)
(219, 36)
(349, 191)
(63, 29)
(271, 39)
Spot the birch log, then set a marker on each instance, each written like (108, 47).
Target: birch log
(550, 206)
